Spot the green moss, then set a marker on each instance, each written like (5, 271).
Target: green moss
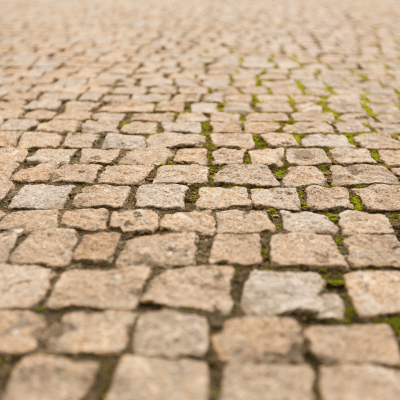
(375, 155)
(209, 145)
(220, 106)
(393, 217)
(259, 143)
(241, 60)
(360, 186)
(258, 81)
(170, 163)
(394, 322)
(339, 239)
(79, 129)
(206, 126)
(357, 203)
(332, 217)
(298, 137)
(246, 159)
(368, 110)
(265, 254)
(40, 309)
(271, 58)
(300, 86)
(280, 173)
(364, 77)
(272, 212)
(303, 204)
(122, 124)
(330, 90)
(254, 100)
(350, 138)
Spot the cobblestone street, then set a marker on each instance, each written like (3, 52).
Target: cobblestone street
(199, 200)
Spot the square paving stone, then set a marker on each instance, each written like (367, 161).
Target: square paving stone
(184, 127)
(191, 156)
(93, 156)
(274, 293)
(281, 382)
(19, 331)
(77, 173)
(362, 174)
(242, 249)
(39, 173)
(148, 156)
(390, 157)
(309, 249)
(204, 288)
(80, 140)
(227, 156)
(374, 293)
(56, 156)
(307, 157)
(323, 198)
(259, 340)
(23, 286)
(176, 140)
(222, 198)
(303, 175)
(125, 174)
(358, 343)
(41, 197)
(267, 156)
(19, 125)
(91, 332)
(125, 142)
(51, 247)
(30, 220)
(9, 155)
(167, 197)
(233, 140)
(358, 222)
(187, 174)
(377, 141)
(319, 140)
(345, 155)
(135, 128)
(140, 221)
(359, 382)
(195, 221)
(155, 378)
(171, 334)
(277, 139)
(59, 126)
(241, 174)
(89, 219)
(308, 222)
(280, 198)
(46, 377)
(102, 195)
(380, 197)
(237, 221)
(31, 140)
(167, 251)
(99, 247)
(351, 127)
(112, 289)
(7, 243)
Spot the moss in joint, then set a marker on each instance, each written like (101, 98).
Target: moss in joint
(357, 203)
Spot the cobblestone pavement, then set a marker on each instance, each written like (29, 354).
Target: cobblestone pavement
(199, 200)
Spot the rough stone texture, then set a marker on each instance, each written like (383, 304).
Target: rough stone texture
(357, 222)
(93, 156)
(38, 174)
(202, 287)
(171, 334)
(140, 221)
(280, 198)
(191, 156)
(162, 196)
(118, 141)
(273, 293)
(344, 155)
(5, 187)
(380, 197)
(56, 156)
(377, 141)
(233, 140)
(390, 157)
(169, 250)
(171, 139)
(261, 339)
(13, 155)
(301, 176)
(125, 174)
(308, 127)
(362, 174)
(240, 174)
(200, 222)
(280, 139)
(319, 140)
(359, 343)
(89, 219)
(102, 195)
(77, 173)
(228, 156)
(148, 156)
(119, 290)
(307, 157)
(47, 377)
(323, 198)
(158, 379)
(267, 156)
(374, 292)
(308, 222)
(236, 221)
(7, 243)
(221, 198)
(187, 174)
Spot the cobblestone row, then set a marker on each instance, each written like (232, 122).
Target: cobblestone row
(199, 200)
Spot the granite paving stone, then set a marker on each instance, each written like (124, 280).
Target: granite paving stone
(191, 156)
(377, 141)
(140, 221)
(280, 198)
(102, 195)
(186, 174)
(233, 140)
(344, 155)
(201, 222)
(307, 157)
(125, 174)
(275, 139)
(162, 196)
(358, 222)
(175, 140)
(89, 219)
(267, 156)
(319, 140)
(361, 174)
(228, 156)
(237, 221)
(147, 156)
(379, 197)
(308, 222)
(240, 174)
(303, 175)
(222, 198)
(325, 198)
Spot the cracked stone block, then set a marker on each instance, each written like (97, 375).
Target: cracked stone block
(227, 156)
(358, 343)
(91, 332)
(176, 140)
(145, 378)
(112, 289)
(351, 127)
(102, 195)
(140, 221)
(277, 139)
(319, 140)
(280, 198)
(377, 141)
(31, 140)
(23, 286)
(77, 173)
(243, 249)
(308, 127)
(362, 174)
(373, 251)
(374, 293)
(9, 139)
(19, 331)
(51, 247)
(162, 196)
(258, 339)
(167, 251)
(37, 174)
(191, 156)
(125, 142)
(93, 156)
(252, 381)
(309, 249)
(41, 197)
(204, 288)
(19, 125)
(125, 174)
(380, 197)
(80, 140)
(30, 220)
(195, 221)
(55, 156)
(184, 127)
(7, 243)
(303, 175)
(237, 221)
(10, 155)
(148, 156)
(267, 156)
(258, 128)
(308, 222)
(171, 334)
(233, 140)
(45, 377)
(357, 222)
(86, 219)
(134, 128)
(222, 198)
(390, 157)
(359, 382)
(187, 174)
(323, 198)
(274, 293)
(241, 174)
(99, 247)
(307, 157)
(344, 155)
